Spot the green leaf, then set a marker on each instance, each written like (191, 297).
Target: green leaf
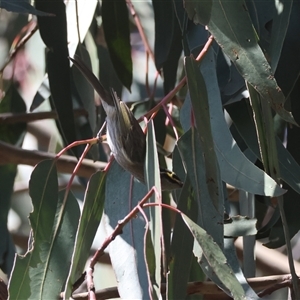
(58, 65)
(117, 36)
(84, 96)
(199, 99)
(152, 176)
(231, 26)
(289, 168)
(192, 155)
(58, 261)
(215, 258)
(152, 173)
(168, 41)
(235, 168)
(84, 89)
(91, 215)
(164, 20)
(127, 250)
(41, 273)
(182, 245)
(150, 256)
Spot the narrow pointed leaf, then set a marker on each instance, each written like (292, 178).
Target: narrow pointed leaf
(200, 103)
(117, 36)
(41, 273)
(58, 66)
(127, 250)
(91, 215)
(182, 245)
(168, 41)
(289, 168)
(152, 175)
(192, 155)
(215, 258)
(235, 168)
(84, 89)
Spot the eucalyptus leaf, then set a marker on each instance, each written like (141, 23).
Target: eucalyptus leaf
(192, 155)
(41, 273)
(117, 36)
(58, 66)
(197, 89)
(168, 41)
(91, 215)
(127, 250)
(182, 245)
(152, 175)
(235, 168)
(215, 258)
(243, 119)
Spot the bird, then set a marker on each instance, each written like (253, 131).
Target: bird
(124, 135)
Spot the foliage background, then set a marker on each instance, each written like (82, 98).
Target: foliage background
(252, 56)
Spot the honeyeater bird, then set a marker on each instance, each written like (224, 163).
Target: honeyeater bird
(125, 136)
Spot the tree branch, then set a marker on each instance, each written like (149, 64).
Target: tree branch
(262, 285)
(65, 164)
(12, 118)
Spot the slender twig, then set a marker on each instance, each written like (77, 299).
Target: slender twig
(147, 75)
(91, 141)
(119, 227)
(140, 29)
(263, 286)
(90, 284)
(181, 84)
(169, 117)
(285, 282)
(117, 231)
(84, 153)
(145, 249)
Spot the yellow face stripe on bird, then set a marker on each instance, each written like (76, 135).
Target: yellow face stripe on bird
(171, 177)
